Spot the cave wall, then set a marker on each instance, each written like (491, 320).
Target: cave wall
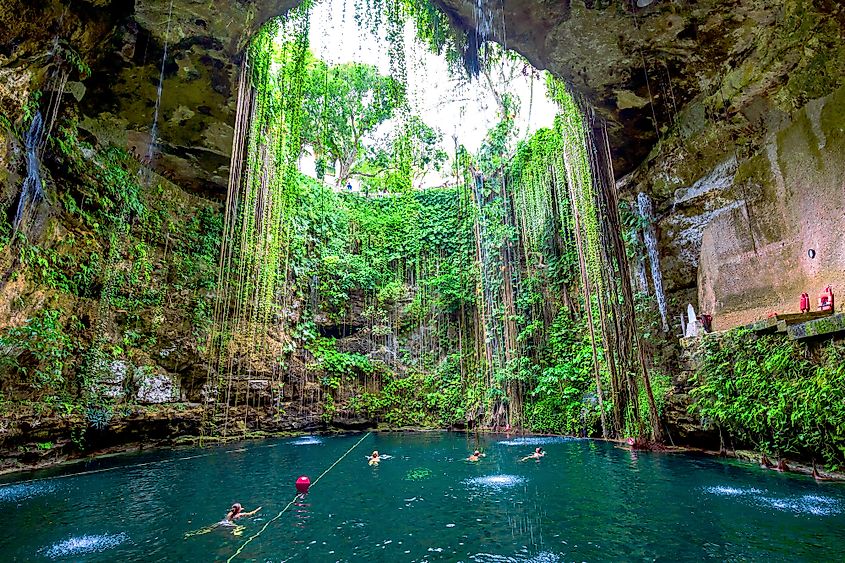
(756, 254)
(123, 42)
(749, 175)
(637, 66)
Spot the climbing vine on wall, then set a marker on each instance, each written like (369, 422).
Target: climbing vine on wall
(479, 286)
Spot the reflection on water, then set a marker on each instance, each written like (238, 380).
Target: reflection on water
(85, 544)
(586, 501)
(301, 511)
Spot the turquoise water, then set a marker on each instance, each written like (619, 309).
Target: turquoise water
(585, 501)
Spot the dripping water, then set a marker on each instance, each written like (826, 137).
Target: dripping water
(154, 128)
(647, 213)
(642, 275)
(483, 20)
(32, 190)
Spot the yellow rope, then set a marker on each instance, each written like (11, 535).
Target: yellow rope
(279, 515)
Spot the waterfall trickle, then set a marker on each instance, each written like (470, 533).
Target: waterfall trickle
(32, 190)
(154, 128)
(483, 20)
(650, 237)
(642, 275)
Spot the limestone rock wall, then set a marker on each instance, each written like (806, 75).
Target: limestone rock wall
(638, 66)
(785, 235)
(749, 175)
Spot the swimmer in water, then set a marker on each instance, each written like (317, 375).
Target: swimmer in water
(476, 456)
(237, 511)
(538, 453)
(228, 523)
(373, 459)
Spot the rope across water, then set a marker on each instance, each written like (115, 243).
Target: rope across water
(279, 515)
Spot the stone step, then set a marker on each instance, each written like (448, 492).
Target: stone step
(780, 322)
(829, 325)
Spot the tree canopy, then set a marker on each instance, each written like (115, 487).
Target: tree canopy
(343, 105)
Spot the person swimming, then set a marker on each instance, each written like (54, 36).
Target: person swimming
(228, 523)
(373, 459)
(538, 453)
(476, 456)
(237, 511)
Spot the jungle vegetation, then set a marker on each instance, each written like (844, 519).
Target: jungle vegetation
(501, 299)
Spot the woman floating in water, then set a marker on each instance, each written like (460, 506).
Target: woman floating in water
(237, 511)
(476, 456)
(373, 459)
(538, 453)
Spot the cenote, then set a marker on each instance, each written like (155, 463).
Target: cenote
(457, 224)
(584, 501)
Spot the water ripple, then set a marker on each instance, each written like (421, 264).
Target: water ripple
(731, 491)
(536, 440)
(542, 557)
(24, 491)
(816, 505)
(806, 504)
(306, 441)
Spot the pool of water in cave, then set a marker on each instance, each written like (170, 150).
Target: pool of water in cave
(585, 501)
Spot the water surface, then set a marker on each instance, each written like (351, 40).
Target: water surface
(585, 501)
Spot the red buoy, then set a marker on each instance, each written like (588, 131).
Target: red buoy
(302, 484)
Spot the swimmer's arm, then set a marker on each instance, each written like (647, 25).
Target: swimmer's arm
(251, 513)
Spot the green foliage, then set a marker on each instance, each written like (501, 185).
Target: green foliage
(338, 364)
(30, 108)
(563, 397)
(417, 400)
(74, 59)
(769, 393)
(39, 350)
(343, 105)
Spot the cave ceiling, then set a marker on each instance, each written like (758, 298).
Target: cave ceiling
(637, 66)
